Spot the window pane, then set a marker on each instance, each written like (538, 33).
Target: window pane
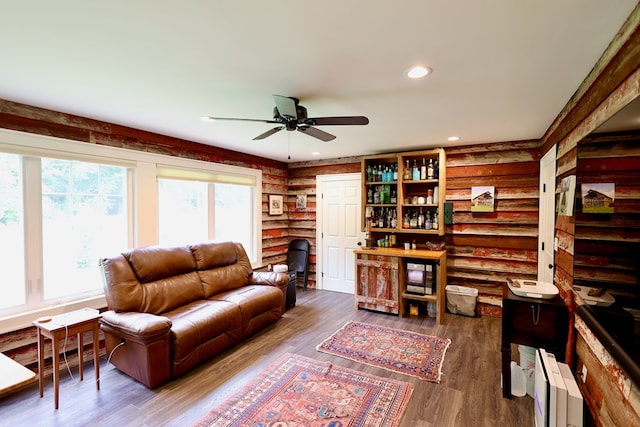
(234, 215)
(183, 212)
(11, 231)
(84, 217)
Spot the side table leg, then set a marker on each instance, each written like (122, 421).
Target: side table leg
(96, 352)
(56, 368)
(40, 362)
(80, 355)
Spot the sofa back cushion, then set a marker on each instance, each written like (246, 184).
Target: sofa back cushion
(221, 266)
(151, 279)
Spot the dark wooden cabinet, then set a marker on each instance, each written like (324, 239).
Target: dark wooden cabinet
(539, 323)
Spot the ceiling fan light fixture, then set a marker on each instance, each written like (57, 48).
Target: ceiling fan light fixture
(207, 119)
(453, 138)
(419, 72)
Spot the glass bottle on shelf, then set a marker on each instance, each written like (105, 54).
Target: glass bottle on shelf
(413, 222)
(430, 169)
(376, 196)
(421, 218)
(423, 169)
(394, 197)
(428, 224)
(416, 171)
(435, 220)
(406, 223)
(394, 220)
(395, 173)
(407, 172)
(370, 195)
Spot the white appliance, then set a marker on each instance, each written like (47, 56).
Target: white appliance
(557, 399)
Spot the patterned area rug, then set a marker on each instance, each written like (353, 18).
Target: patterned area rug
(396, 350)
(297, 391)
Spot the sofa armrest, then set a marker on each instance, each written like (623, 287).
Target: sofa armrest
(270, 278)
(143, 325)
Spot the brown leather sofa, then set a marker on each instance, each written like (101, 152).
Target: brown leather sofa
(172, 308)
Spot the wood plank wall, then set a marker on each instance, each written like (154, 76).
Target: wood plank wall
(302, 180)
(485, 248)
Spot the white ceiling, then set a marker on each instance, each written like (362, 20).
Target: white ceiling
(503, 69)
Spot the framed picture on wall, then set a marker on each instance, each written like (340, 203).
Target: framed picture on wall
(275, 204)
(482, 198)
(301, 201)
(567, 195)
(598, 198)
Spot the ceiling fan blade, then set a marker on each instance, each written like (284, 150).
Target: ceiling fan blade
(268, 133)
(286, 106)
(211, 118)
(316, 133)
(343, 120)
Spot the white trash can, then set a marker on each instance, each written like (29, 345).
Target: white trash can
(461, 300)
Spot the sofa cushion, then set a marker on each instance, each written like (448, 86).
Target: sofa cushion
(221, 266)
(201, 321)
(167, 278)
(253, 300)
(151, 263)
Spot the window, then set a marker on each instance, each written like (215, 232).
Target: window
(84, 217)
(196, 211)
(11, 231)
(65, 204)
(78, 213)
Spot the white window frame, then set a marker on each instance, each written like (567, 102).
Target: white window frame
(143, 204)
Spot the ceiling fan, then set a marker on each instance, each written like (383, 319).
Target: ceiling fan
(290, 115)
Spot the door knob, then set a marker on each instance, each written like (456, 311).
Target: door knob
(550, 265)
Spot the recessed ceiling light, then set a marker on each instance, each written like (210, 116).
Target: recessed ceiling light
(453, 138)
(315, 153)
(419, 72)
(207, 119)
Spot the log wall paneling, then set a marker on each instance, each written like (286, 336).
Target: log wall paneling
(302, 180)
(484, 248)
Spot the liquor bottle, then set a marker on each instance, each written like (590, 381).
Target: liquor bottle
(395, 172)
(421, 219)
(394, 197)
(436, 170)
(407, 172)
(376, 196)
(416, 171)
(394, 221)
(368, 173)
(435, 220)
(423, 169)
(430, 169)
(428, 224)
(379, 179)
(406, 223)
(370, 195)
(381, 219)
(413, 222)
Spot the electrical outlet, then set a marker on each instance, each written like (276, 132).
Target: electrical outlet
(584, 373)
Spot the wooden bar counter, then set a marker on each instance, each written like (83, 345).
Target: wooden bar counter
(381, 280)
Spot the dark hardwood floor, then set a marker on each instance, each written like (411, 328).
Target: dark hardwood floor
(468, 395)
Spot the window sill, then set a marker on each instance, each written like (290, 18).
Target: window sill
(23, 320)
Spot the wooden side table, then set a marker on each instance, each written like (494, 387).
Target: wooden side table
(540, 323)
(63, 326)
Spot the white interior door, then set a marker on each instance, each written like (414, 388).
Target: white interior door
(547, 216)
(338, 230)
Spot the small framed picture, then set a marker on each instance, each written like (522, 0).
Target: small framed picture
(301, 201)
(275, 204)
(598, 198)
(482, 198)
